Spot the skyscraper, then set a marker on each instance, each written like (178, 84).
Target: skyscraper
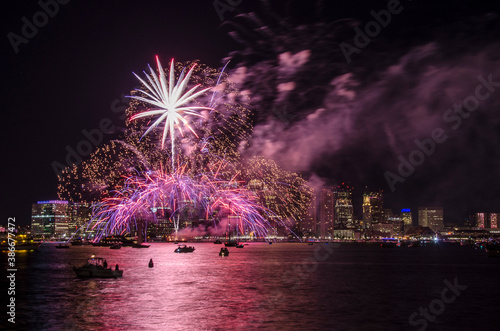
(326, 210)
(373, 212)
(493, 220)
(431, 217)
(308, 225)
(406, 218)
(343, 216)
(50, 218)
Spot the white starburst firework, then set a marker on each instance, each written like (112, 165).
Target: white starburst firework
(169, 100)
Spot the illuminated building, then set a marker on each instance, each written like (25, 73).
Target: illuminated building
(327, 211)
(431, 217)
(343, 215)
(406, 218)
(397, 225)
(487, 220)
(493, 220)
(50, 219)
(60, 219)
(373, 213)
(80, 214)
(308, 224)
(480, 220)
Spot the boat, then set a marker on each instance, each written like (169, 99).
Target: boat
(77, 242)
(62, 246)
(218, 242)
(231, 243)
(140, 246)
(101, 244)
(97, 267)
(310, 244)
(239, 246)
(184, 249)
(113, 240)
(224, 251)
(115, 246)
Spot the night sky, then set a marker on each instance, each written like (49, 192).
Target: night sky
(315, 113)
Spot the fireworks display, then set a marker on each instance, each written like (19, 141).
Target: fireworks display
(159, 195)
(170, 102)
(135, 182)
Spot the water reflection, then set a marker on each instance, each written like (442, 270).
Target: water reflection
(253, 288)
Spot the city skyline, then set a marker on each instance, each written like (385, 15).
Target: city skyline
(68, 122)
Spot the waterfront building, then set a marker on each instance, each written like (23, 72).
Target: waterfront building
(481, 220)
(406, 218)
(493, 220)
(373, 212)
(79, 215)
(344, 234)
(327, 212)
(308, 225)
(343, 213)
(50, 219)
(383, 230)
(486, 220)
(397, 225)
(431, 217)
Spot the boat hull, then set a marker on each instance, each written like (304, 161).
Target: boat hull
(84, 272)
(184, 249)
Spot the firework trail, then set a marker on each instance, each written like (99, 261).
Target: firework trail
(145, 197)
(135, 185)
(170, 102)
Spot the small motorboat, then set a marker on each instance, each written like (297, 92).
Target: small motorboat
(224, 251)
(62, 246)
(97, 267)
(77, 242)
(231, 243)
(151, 264)
(140, 246)
(310, 244)
(239, 246)
(217, 242)
(184, 249)
(115, 246)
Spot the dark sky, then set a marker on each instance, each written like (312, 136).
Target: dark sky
(71, 74)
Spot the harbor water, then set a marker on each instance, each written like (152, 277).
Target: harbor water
(283, 286)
